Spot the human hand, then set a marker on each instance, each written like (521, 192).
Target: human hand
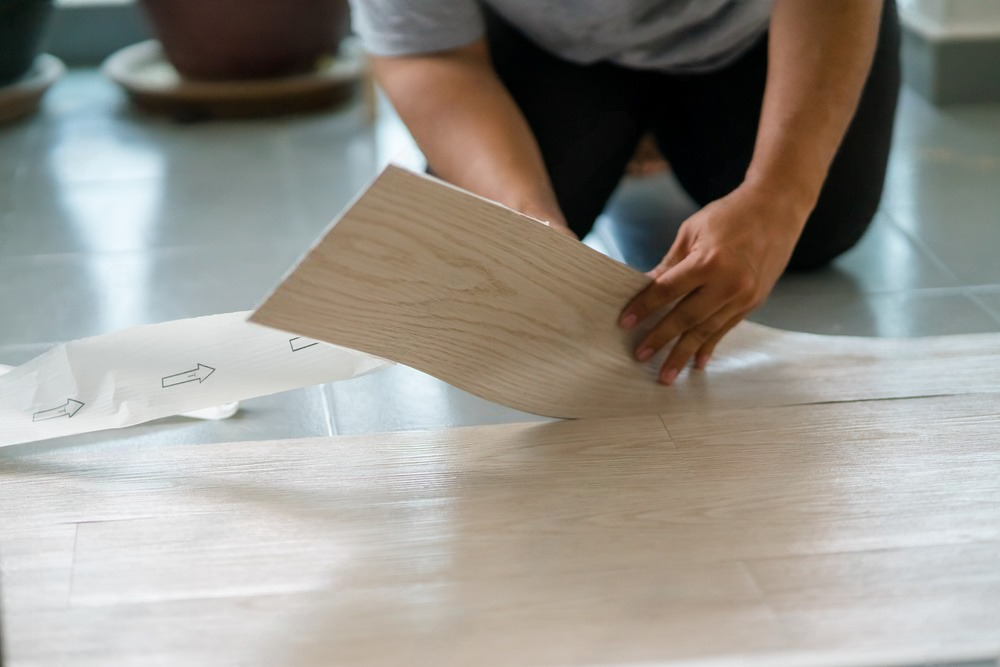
(724, 263)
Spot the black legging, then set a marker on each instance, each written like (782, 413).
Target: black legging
(588, 120)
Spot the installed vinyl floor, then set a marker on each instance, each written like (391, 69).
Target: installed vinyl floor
(836, 534)
(110, 218)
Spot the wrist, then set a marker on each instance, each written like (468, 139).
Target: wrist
(795, 200)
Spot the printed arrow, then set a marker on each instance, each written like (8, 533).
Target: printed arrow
(302, 343)
(67, 409)
(199, 375)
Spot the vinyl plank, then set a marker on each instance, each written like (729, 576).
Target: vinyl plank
(500, 306)
(851, 476)
(424, 624)
(948, 594)
(488, 307)
(599, 541)
(926, 432)
(118, 480)
(36, 567)
(756, 366)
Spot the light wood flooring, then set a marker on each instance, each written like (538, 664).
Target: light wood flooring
(839, 533)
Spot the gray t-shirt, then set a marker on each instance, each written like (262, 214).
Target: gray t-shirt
(666, 35)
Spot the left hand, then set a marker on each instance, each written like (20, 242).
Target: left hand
(724, 263)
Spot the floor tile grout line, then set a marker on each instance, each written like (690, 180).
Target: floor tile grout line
(920, 244)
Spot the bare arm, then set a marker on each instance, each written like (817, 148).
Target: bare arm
(819, 56)
(469, 127)
(728, 256)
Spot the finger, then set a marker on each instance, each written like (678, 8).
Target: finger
(691, 313)
(689, 343)
(705, 352)
(675, 283)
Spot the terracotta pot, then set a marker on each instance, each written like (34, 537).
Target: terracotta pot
(22, 23)
(246, 39)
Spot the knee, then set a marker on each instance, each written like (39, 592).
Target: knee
(833, 230)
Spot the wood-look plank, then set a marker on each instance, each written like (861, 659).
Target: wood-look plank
(757, 366)
(473, 293)
(748, 534)
(944, 594)
(927, 433)
(124, 482)
(499, 305)
(425, 625)
(36, 566)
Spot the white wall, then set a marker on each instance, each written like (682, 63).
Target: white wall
(952, 19)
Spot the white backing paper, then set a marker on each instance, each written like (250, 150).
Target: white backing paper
(135, 375)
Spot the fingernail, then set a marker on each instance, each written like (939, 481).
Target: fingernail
(668, 376)
(644, 354)
(629, 321)
(702, 361)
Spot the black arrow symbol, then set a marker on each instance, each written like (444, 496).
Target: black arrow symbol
(199, 375)
(67, 409)
(302, 343)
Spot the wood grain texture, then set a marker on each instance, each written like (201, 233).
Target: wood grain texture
(475, 294)
(848, 533)
(501, 306)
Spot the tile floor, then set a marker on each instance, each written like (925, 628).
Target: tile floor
(111, 218)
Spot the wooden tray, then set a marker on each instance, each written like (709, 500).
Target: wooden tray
(154, 85)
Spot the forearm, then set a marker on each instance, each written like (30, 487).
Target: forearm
(469, 127)
(819, 56)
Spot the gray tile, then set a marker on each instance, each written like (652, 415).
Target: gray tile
(16, 142)
(300, 413)
(403, 399)
(15, 355)
(954, 211)
(327, 161)
(180, 196)
(942, 185)
(971, 129)
(93, 217)
(109, 180)
(885, 260)
(60, 297)
(989, 298)
(899, 314)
